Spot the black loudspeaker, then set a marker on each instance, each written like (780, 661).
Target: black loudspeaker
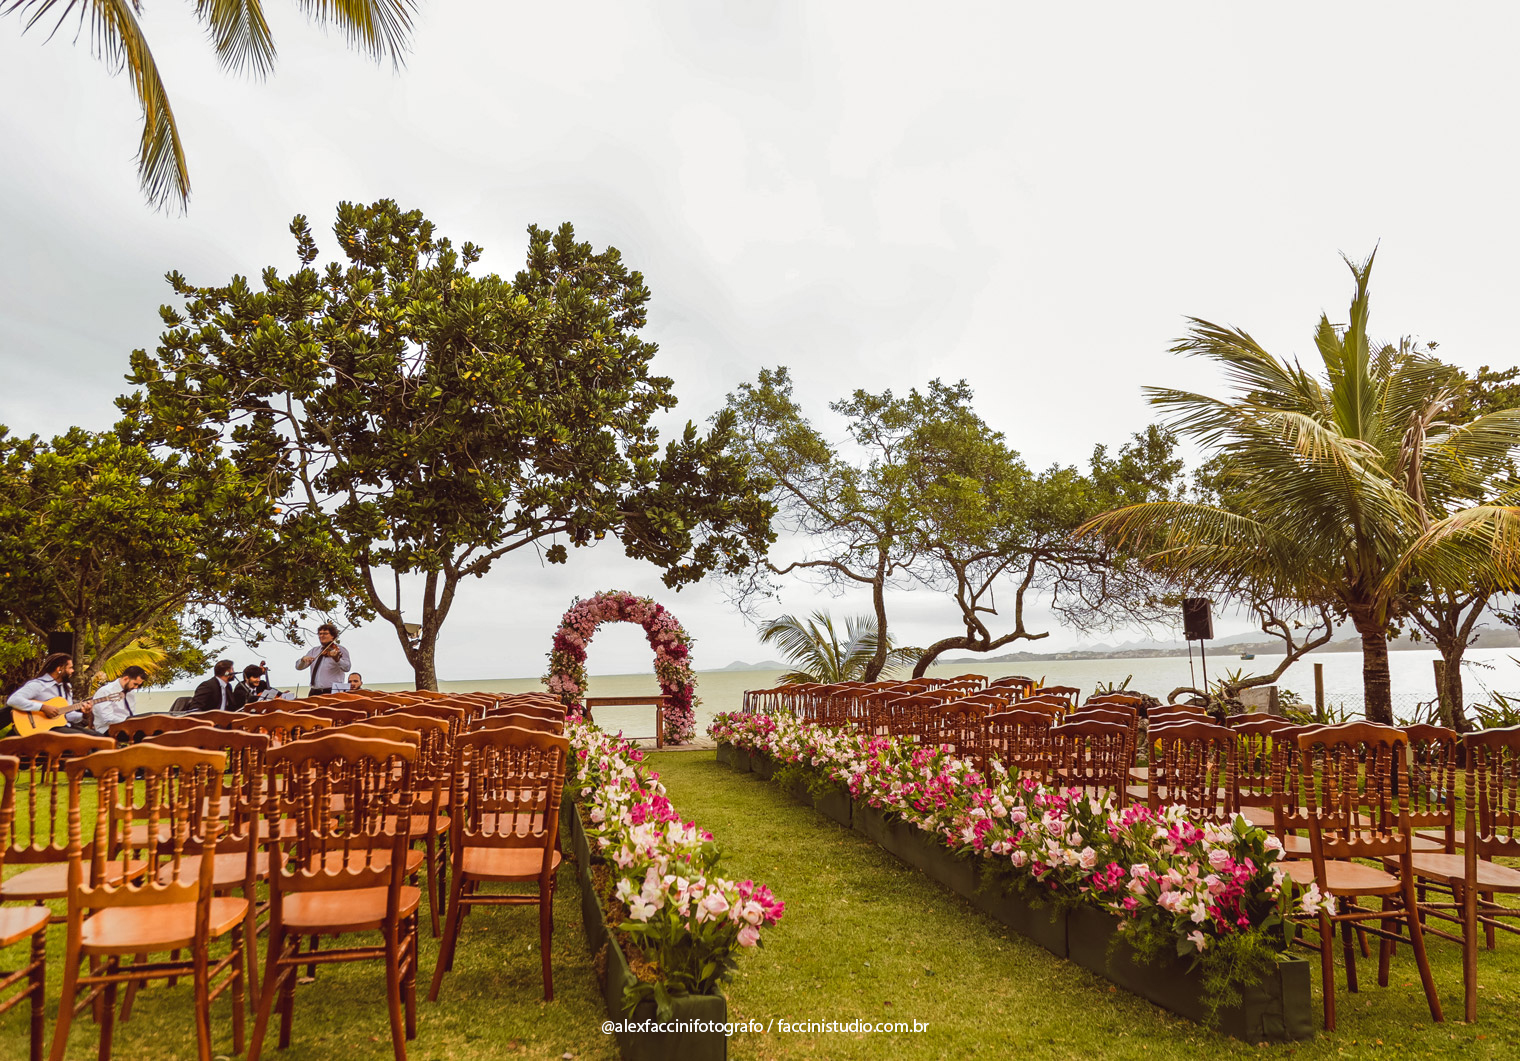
(61, 641)
(1197, 620)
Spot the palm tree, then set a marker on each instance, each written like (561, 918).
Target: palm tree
(1345, 489)
(242, 41)
(814, 647)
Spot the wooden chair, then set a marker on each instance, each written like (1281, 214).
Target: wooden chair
(1435, 755)
(1017, 682)
(1491, 831)
(346, 875)
(957, 724)
(139, 728)
(169, 909)
(217, 719)
(1342, 770)
(244, 790)
(41, 840)
(18, 923)
(1258, 742)
(1070, 693)
(1021, 741)
(532, 722)
(1193, 764)
(454, 716)
(1168, 712)
(1095, 757)
(507, 786)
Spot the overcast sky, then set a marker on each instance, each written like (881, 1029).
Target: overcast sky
(1029, 196)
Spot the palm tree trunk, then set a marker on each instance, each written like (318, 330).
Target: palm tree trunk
(1377, 685)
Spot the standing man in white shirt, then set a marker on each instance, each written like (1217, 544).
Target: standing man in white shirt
(329, 662)
(107, 712)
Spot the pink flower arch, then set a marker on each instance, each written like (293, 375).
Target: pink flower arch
(672, 654)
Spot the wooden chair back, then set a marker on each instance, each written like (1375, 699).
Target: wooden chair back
(1434, 757)
(1258, 723)
(335, 714)
(1132, 699)
(435, 759)
(1095, 756)
(139, 728)
(179, 790)
(1021, 741)
(956, 724)
(531, 722)
(1070, 693)
(42, 834)
(217, 719)
(1017, 682)
(1120, 713)
(507, 788)
(1193, 764)
(1493, 792)
(363, 847)
(245, 779)
(1348, 782)
(1168, 712)
(10, 766)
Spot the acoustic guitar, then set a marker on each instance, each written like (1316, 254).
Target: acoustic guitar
(29, 723)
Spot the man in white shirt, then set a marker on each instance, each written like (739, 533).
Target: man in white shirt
(51, 684)
(108, 712)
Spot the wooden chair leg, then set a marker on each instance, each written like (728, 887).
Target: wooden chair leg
(1326, 970)
(393, 991)
(271, 987)
(450, 938)
(38, 991)
(409, 977)
(66, 995)
(108, 1013)
(288, 994)
(1350, 954)
(430, 856)
(1417, 942)
(545, 939)
(250, 945)
(239, 1003)
(1488, 930)
(202, 980)
(1470, 954)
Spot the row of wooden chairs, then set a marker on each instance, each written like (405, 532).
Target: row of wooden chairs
(324, 812)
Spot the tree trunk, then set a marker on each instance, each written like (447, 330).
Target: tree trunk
(879, 600)
(1377, 685)
(424, 662)
(1450, 691)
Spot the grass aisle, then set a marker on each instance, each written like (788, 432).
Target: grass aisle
(867, 937)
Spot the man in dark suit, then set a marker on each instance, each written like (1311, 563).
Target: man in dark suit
(215, 693)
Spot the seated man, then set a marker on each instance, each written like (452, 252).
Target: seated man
(51, 684)
(254, 686)
(215, 693)
(356, 683)
(113, 702)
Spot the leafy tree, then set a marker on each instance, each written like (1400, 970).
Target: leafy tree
(815, 648)
(101, 537)
(429, 420)
(243, 44)
(923, 492)
(1348, 484)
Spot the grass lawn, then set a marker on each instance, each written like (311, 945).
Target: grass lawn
(864, 937)
(867, 937)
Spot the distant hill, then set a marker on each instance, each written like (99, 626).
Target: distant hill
(739, 664)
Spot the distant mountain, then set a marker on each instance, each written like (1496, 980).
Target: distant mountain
(739, 664)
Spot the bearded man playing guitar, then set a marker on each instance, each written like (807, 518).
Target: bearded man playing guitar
(40, 704)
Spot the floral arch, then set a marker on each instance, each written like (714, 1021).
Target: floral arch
(672, 654)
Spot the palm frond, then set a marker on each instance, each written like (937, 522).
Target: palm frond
(239, 34)
(379, 28)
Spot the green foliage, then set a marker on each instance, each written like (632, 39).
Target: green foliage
(814, 647)
(1344, 488)
(103, 537)
(428, 420)
(921, 491)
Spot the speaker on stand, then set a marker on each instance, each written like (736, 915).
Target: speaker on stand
(61, 641)
(1198, 625)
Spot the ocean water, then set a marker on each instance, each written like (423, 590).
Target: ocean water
(1413, 680)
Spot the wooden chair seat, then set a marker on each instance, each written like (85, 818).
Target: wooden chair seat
(1140, 773)
(137, 836)
(228, 869)
(19, 922)
(1440, 834)
(507, 863)
(1423, 845)
(155, 927)
(1138, 793)
(344, 909)
(1261, 817)
(1451, 869)
(51, 881)
(1346, 878)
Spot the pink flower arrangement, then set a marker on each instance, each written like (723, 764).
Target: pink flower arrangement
(672, 654)
(691, 921)
(1198, 882)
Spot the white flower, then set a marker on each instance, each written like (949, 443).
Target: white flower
(1198, 939)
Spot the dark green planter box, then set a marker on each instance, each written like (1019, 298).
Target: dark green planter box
(741, 760)
(762, 764)
(725, 753)
(664, 1046)
(797, 788)
(1044, 924)
(871, 822)
(1279, 1009)
(591, 908)
(926, 854)
(835, 803)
